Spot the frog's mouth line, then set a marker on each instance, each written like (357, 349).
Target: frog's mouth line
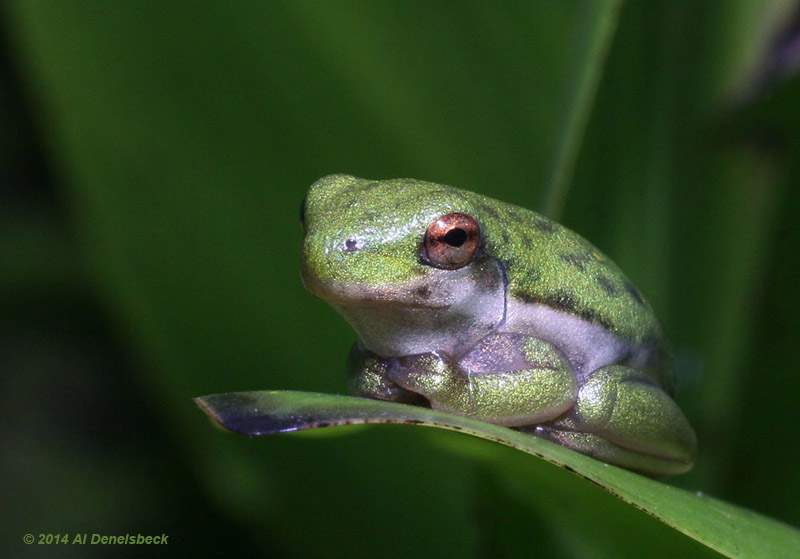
(420, 296)
(358, 296)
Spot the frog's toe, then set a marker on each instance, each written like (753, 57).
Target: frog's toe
(606, 451)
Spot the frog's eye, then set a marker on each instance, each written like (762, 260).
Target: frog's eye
(451, 241)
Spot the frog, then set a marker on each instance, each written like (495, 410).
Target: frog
(480, 308)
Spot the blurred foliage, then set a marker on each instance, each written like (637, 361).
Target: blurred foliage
(730, 530)
(154, 157)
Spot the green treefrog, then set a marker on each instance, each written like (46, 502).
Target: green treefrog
(480, 308)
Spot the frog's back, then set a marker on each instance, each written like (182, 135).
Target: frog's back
(550, 265)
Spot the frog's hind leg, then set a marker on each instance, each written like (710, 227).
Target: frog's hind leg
(623, 417)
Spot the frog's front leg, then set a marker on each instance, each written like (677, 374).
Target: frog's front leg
(508, 379)
(623, 417)
(367, 375)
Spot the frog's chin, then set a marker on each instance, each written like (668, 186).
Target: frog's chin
(395, 329)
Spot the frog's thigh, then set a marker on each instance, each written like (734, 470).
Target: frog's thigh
(367, 376)
(516, 380)
(624, 418)
(509, 379)
(516, 398)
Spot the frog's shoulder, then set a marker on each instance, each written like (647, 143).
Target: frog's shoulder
(551, 265)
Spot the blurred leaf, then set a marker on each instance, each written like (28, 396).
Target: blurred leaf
(726, 528)
(589, 47)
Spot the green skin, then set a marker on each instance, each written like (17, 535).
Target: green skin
(539, 331)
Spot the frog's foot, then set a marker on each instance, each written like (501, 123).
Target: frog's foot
(623, 417)
(368, 377)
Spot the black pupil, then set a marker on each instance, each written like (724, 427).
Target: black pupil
(455, 237)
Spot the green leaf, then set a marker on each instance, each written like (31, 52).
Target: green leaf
(587, 57)
(729, 529)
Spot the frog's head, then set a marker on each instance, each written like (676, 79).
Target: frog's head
(403, 261)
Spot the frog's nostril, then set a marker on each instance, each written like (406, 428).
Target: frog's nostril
(350, 245)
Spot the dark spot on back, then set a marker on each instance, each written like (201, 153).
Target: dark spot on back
(520, 215)
(490, 211)
(634, 293)
(544, 225)
(577, 260)
(524, 296)
(606, 285)
(564, 301)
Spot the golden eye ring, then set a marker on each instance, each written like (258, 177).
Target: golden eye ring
(451, 241)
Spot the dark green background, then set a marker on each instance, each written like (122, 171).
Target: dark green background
(154, 156)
